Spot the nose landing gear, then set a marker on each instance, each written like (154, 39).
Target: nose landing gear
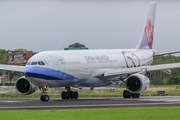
(69, 94)
(44, 97)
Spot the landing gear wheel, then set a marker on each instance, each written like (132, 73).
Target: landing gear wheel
(138, 95)
(44, 98)
(67, 95)
(75, 95)
(133, 95)
(71, 94)
(126, 94)
(63, 95)
(44, 90)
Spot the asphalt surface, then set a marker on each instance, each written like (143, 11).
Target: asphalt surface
(86, 103)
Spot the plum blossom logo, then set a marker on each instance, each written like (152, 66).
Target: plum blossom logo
(149, 30)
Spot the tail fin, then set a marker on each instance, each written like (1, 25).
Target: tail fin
(146, 39)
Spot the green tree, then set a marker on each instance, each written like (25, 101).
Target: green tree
(20, 49)
(3, 56)
(174, 77)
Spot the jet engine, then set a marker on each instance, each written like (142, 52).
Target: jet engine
(137, 83)
(24, 87)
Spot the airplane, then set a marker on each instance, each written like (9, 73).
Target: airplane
(93, 68)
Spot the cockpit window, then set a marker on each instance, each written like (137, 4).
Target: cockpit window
(39, 63)
(42, 63)
(29, 63)
(34, 63)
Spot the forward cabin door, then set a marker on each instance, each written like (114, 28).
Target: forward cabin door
(56, 63)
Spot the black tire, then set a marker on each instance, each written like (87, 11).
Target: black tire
(138, 95)
(63, 95)
(46, 98)
(124, 94)
(42, 98)
(71, 94)
(75, 95)
(128, 94)
(133, 95)
(67, 95)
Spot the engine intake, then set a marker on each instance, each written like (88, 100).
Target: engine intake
(24, 87)
(137, 83)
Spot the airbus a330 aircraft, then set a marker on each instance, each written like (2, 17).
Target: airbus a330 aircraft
(93, 68)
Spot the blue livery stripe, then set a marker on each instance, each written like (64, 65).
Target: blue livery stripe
(46, 73)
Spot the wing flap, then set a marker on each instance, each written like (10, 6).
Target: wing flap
(124, 71)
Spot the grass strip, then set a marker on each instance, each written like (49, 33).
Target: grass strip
(153, 113)
(175, 92)
(89, 94)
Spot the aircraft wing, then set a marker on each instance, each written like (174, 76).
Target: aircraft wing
(106, 73)
(12, 68)
(166, 53)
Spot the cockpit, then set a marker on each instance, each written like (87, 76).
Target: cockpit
(35, 63)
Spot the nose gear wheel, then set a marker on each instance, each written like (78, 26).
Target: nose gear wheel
(44, 97)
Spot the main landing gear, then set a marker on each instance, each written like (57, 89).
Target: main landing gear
(127, 94)
(69, 94)
(44, 97)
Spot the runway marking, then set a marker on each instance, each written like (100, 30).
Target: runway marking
(78, 106)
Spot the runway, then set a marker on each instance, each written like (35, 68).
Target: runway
(86, 103)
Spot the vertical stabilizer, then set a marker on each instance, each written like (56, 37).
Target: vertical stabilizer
(146, 39)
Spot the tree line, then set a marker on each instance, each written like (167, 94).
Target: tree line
(159, 77)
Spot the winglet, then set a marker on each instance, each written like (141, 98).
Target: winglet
(146, 39)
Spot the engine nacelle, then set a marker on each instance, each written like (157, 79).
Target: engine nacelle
(137, 83)
(24, 87)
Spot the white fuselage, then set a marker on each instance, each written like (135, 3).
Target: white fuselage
(76, 67)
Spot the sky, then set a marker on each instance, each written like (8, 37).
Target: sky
(40, 25)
